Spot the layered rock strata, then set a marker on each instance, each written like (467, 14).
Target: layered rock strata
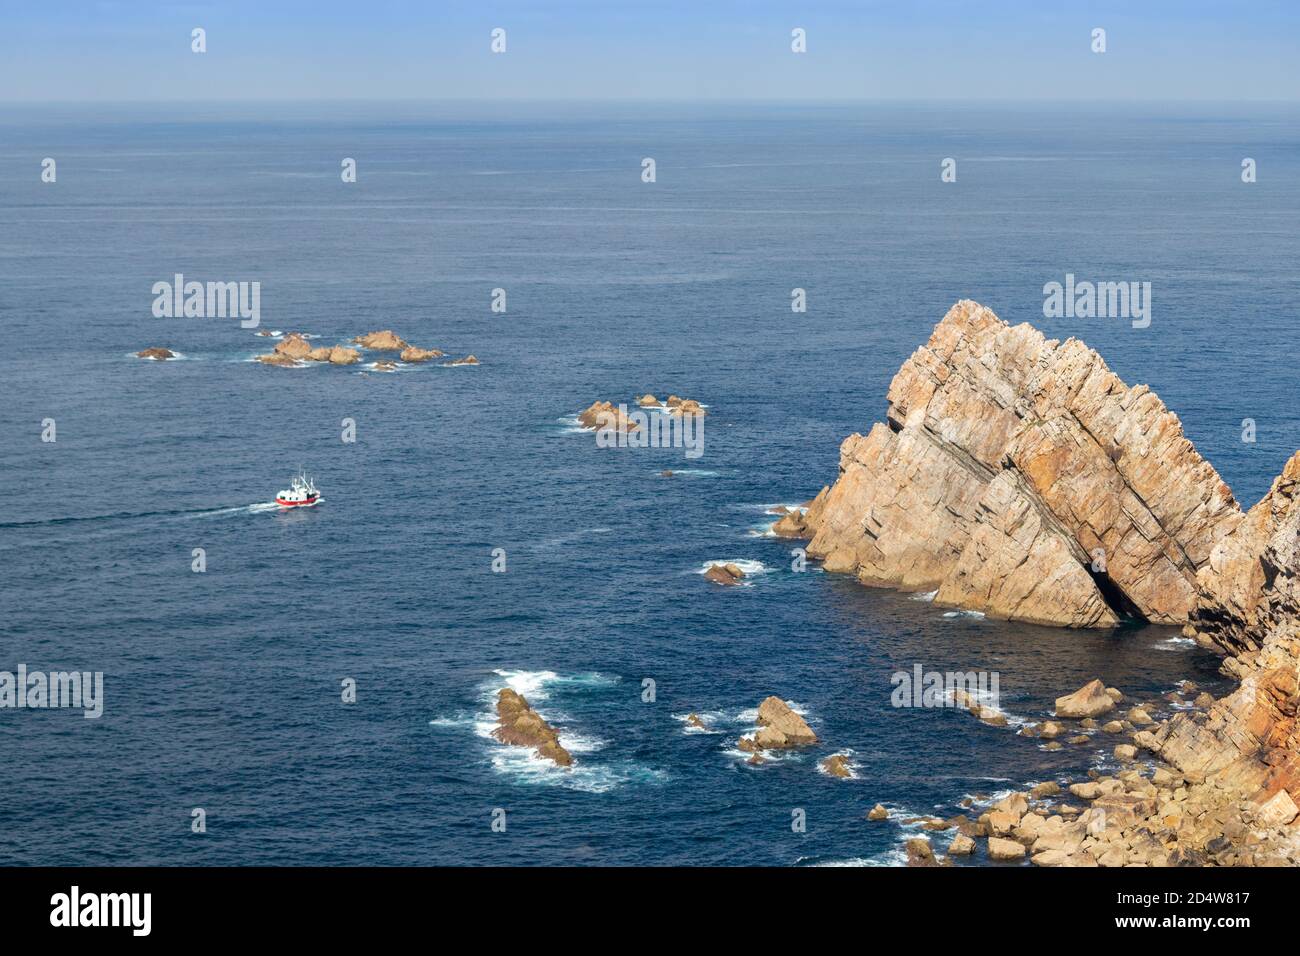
(1018, 476)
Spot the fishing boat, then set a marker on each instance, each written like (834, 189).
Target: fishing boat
(301, 493)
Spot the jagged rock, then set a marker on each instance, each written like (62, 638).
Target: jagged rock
(294, 346)
(413, 354)
(780, 728)
(385, 341)
(602, 415)
(1088, 701)
(694, 720)
(520, 726)
(648, 401)
(1008, 462)
(878, 812)
(837, 765)
(157, 353)
(727, 574)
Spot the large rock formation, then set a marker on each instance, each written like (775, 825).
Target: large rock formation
(779, 728)
(1018, 476)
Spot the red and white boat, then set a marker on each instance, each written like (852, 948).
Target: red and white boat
(301, 493)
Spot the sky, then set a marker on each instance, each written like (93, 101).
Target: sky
(1033, 50)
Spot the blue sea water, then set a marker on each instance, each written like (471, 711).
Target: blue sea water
(222, 689)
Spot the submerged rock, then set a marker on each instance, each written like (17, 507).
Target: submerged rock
(520, 726)
(467, 360)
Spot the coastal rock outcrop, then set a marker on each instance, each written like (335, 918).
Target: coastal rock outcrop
(605, 415)
(413, 354)
(294, 346)
(520, 726)
(1018, 476)
(157, 353)
(384, 341)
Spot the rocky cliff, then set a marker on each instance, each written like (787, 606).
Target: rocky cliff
(1018, 476)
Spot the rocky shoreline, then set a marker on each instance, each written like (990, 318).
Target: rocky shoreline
(1019, 477)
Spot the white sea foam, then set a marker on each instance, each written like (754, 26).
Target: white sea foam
(1174, 644)
(972, 615)
(926, 596)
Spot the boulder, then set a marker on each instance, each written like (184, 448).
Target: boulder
(1088, 701)
(919, 852)
(1277, 811)
(878, 812)
(520, 726)
(648, 401)
(157, 353)
(385, 341)
(1126, 752)
(1000, 849)
(467, 360)
(961, 845)
(694, 720)
(687, 407)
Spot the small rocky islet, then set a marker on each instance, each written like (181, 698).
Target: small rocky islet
(294, 349)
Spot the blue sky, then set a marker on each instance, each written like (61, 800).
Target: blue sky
(653, 49)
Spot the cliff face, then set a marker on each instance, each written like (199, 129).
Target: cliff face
(1018, 476)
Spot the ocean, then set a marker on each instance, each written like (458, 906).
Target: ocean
(223, 689)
